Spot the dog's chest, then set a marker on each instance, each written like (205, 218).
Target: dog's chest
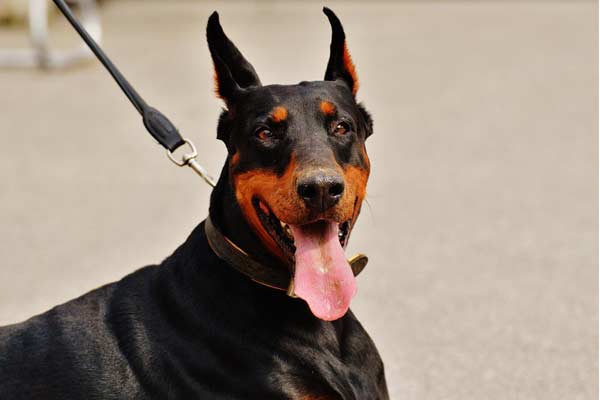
(332, 364)
(326, 382)
(321, 381)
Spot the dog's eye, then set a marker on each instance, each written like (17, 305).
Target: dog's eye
(342, 128)
(263, 133)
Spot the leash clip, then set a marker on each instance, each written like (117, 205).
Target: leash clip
(189, 159)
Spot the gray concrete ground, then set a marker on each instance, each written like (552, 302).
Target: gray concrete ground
(482, 217)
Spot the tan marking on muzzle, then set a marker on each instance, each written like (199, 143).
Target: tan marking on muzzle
(277, 192)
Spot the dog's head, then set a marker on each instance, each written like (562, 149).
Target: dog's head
(297, 164)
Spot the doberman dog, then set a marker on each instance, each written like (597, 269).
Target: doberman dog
(194, 327)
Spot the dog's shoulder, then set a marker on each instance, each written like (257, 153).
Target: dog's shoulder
(71, 343)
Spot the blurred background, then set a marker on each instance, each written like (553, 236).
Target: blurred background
(481, 223)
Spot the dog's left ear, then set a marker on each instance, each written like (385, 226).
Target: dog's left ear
(233, 73)
(340, 64)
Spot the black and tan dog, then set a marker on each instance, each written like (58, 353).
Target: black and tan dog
(194, 327)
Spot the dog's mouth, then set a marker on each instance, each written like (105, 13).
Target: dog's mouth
(282, 233)
(322, 275)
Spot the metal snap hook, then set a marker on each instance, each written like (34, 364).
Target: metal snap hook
(189, 159)
(186, 156)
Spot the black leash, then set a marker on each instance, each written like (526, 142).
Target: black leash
(156, 123)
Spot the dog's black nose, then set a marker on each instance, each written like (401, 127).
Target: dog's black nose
(321, 191)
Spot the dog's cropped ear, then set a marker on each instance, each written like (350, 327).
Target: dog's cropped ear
(340, 64)
(233, 73)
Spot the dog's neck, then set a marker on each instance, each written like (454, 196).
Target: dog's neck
(227, 216)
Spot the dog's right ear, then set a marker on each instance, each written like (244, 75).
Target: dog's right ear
(233, 73)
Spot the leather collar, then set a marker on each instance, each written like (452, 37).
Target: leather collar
(274, 278)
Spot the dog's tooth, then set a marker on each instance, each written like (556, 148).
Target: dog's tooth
(264, 208)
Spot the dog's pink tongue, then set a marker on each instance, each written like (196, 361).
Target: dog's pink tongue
(323, 277)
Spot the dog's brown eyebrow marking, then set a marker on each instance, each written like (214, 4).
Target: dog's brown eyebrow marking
(327, 108)
(279, 114)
